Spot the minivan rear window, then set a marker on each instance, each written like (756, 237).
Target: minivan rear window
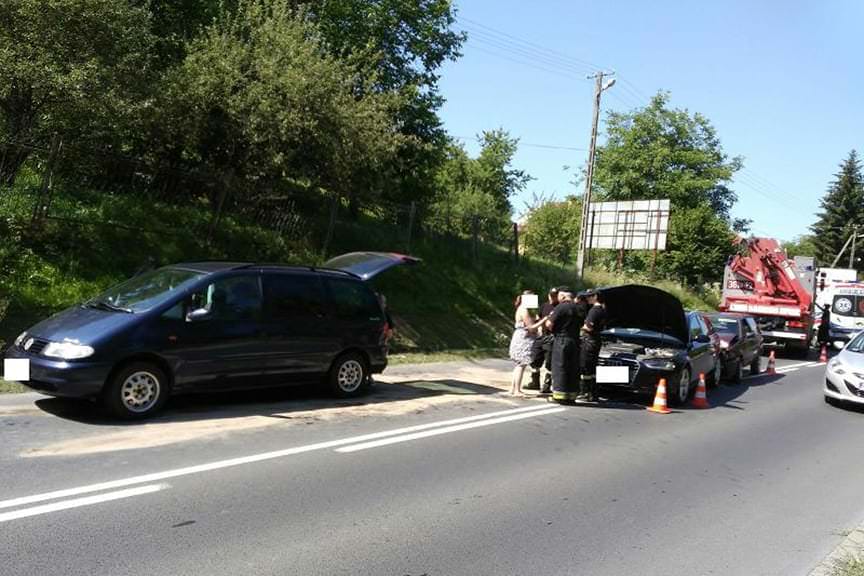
(353, 300)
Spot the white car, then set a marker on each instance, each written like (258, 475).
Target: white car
(844, 376)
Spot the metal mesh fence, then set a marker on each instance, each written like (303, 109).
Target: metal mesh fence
(78, 186)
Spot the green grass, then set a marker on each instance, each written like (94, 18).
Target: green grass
(451, 302)
(11, 387)
(848, 567)
(397, 358)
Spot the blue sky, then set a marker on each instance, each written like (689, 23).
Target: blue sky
(783, 83)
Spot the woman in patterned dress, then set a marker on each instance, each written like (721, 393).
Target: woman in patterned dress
(525, 329)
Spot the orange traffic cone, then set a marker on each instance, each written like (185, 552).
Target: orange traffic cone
(823, 355)
(660, 399)
(701, 398)
(770, 369)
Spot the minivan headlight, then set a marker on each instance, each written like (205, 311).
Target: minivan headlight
(67, 350)
(20, 339)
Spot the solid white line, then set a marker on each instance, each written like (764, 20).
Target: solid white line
(78, 502)
(797, 365)
(787, 370)
(447, 430)
(158, 476)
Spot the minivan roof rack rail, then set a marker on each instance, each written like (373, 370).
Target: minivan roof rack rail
(290, 267)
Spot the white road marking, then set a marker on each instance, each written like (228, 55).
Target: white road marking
(797, 365)
(447, 430)
(788, 368)
(78, 502)
(164, 475)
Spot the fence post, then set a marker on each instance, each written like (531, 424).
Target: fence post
(223, 196)
(331, 225)
(474, 239)
(411, 216)
(43, 198)
(516, 243)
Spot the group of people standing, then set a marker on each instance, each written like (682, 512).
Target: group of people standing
(564, 337)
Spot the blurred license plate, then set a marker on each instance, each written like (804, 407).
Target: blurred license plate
(16, 369)
(613, 375)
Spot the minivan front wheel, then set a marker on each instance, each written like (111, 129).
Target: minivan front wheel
(349, 376)
(136, 391)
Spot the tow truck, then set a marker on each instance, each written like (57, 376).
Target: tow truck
(761, 280)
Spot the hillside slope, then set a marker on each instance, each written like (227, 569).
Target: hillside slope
(453, 300)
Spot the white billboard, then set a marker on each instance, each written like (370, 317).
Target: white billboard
(628, 225)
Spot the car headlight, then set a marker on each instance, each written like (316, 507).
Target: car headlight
(20, 339)
(859, 375)
(836, 366)
(724, 344)
(660, 353)
(659, 364)
(67, 350)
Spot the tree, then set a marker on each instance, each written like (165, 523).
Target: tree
(478, 189)
(803, 245)
(259, 95)
(552, 230)
(658, 152)
(175, 24)
(400, 45)
(68, 66)
(699, 244)
(842, 210)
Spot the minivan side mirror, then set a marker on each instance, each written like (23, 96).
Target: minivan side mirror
(198, 315)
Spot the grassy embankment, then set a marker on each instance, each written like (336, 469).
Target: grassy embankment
(449, 306)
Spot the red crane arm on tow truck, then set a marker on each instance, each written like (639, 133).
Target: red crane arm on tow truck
(774, 276)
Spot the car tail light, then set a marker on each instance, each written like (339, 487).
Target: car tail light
(794, 324)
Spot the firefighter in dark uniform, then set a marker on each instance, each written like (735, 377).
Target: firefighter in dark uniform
(541, 350)
(595, 323)
(564, 323)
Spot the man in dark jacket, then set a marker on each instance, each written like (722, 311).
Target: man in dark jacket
(564, 323)
(595, 323)
(541, 349)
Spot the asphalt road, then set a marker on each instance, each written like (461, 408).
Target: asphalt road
(419, 479)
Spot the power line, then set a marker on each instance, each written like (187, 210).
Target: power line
(748, 179)
(490, 40)
(563, 74)
(528, 144)
(541, 58)
(524, 59)
(589, 65)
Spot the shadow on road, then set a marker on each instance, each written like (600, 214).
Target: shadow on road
(271, 402)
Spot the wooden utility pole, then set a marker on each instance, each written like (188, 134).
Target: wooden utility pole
(589, 175)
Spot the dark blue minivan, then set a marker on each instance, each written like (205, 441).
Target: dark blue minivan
(215, 326)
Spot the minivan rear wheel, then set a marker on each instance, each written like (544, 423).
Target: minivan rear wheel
(138, 390)
(349, 376)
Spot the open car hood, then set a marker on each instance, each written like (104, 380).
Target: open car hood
(645, 308)
(367, 265)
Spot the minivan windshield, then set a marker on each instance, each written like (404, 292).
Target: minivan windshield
(144, 291)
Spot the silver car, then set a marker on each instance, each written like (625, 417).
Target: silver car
(844, 376)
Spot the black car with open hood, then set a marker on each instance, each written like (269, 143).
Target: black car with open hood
(649, 332)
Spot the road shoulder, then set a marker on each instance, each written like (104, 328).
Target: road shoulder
(851, 548)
